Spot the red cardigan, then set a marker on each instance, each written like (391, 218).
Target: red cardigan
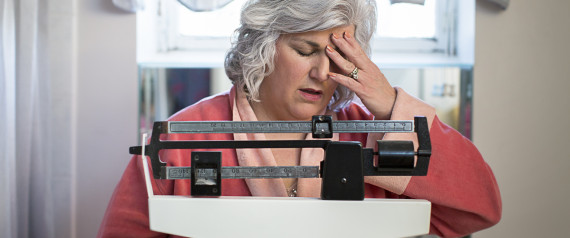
(460, 185)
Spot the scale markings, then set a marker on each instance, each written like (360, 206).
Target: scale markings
(245, 172)
(288, 126)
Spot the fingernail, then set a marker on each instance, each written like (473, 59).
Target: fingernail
(347, 35)
(335, 36)
(331, 75)
(329, 49)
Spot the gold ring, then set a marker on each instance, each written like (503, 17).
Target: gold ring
(354, 73)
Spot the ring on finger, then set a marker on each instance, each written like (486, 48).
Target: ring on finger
(354, 73)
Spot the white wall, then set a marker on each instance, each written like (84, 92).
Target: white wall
(522, 111)
(106, 106)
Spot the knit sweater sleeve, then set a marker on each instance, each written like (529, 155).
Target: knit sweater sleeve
(460, 185)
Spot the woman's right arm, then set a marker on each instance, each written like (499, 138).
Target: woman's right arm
(127, 213)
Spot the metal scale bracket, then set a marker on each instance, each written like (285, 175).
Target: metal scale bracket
(342, 170)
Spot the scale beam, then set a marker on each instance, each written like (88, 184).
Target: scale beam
(287, 127)
(342, 170)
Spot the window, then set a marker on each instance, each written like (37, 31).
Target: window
(402, 27)
(413, 28)
(438, 33)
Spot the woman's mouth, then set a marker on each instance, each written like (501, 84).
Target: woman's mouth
(311, 94)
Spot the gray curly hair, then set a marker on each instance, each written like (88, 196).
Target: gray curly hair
(250, 59)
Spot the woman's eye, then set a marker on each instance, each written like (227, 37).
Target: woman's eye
(304, 53)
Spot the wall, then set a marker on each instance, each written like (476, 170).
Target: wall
(521, 113)
(106, 107)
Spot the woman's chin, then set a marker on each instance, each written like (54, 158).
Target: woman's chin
(307, 114)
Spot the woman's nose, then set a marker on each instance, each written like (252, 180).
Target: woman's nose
(321, 68)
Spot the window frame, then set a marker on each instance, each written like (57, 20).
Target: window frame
(157, 48)
(445, 17)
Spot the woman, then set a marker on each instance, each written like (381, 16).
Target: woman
(298, 58)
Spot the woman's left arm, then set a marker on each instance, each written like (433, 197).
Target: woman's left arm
(461, 186)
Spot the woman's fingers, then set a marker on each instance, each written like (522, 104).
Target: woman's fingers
(370, 84)
(346, 81)
(351, 50)
(344, 65)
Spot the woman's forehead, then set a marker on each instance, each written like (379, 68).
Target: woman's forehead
(318, 34)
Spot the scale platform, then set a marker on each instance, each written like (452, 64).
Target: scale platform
(288, 217)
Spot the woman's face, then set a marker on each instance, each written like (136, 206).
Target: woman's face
(299, 87)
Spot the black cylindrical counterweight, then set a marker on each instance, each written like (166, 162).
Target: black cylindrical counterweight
(395, 154)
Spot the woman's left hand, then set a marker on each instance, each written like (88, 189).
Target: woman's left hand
(370, 85)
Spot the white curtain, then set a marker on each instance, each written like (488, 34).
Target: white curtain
(35, 182)
(8, 226)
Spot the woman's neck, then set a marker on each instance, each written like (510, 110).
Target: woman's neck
(263, 115)
(266, 113)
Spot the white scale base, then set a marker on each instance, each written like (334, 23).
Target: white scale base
(284, 216)
(288, 217)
